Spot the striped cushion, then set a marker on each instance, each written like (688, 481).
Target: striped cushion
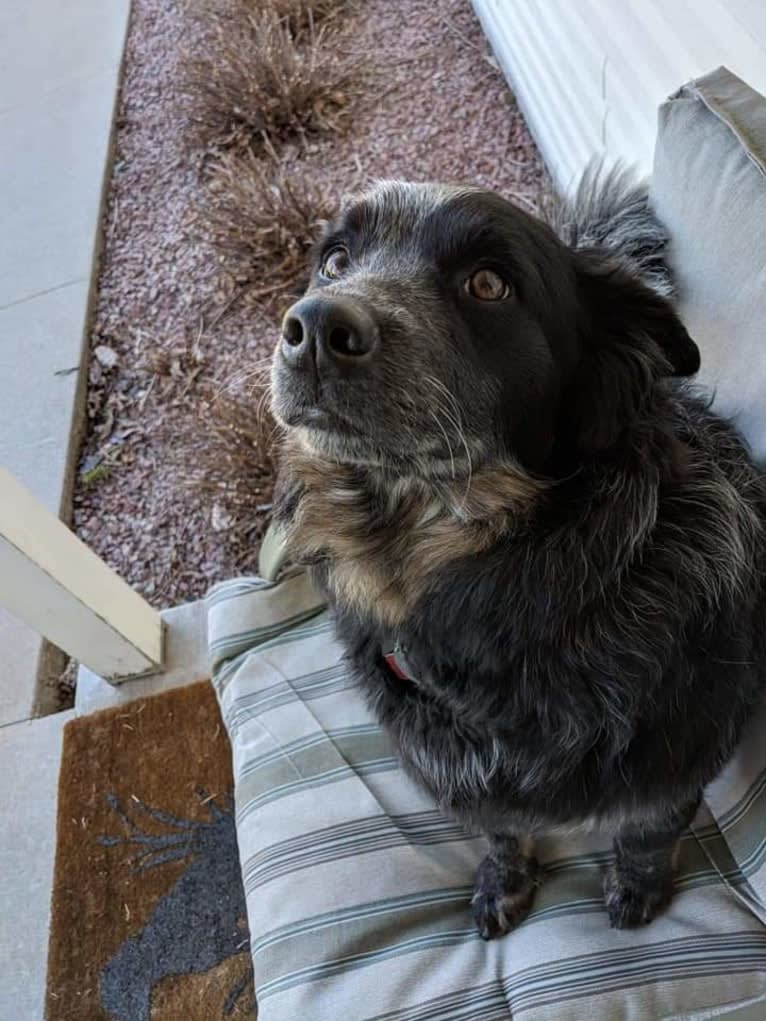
(358, 887)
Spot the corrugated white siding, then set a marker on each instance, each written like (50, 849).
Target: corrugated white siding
(590, 74)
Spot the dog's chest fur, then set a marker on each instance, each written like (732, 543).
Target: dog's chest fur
(380, 542)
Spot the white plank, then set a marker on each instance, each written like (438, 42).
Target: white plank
(509, 48)
(52, 582)
(590, 75)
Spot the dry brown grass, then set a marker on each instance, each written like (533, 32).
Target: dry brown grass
(300, 14)
(262, 220)
(260, 80)
(272, 71)
(226, 457)
(225, 451)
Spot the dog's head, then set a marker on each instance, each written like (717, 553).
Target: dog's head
(445, 328)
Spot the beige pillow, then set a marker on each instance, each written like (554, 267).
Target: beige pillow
(709, 188)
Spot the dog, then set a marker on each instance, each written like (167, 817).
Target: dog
(544, 552)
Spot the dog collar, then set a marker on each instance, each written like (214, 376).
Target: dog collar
(397, 663)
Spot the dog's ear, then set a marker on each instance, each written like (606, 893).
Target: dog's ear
(630, 336)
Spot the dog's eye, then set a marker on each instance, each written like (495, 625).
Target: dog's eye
(486, 285)
(335, 263)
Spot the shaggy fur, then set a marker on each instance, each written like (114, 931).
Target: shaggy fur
(611, 210)
(566, 542)
(387, 546)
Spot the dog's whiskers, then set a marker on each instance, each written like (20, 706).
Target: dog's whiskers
(235, 382)
(456, 420)
(438, 421)
(259, 372)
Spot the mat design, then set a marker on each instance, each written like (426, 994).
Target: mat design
(148, 918)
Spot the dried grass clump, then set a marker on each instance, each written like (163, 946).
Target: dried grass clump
(263, 221)
(227, 458)
(301, 14)
(260, 81)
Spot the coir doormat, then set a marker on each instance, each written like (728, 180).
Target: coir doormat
(148, 914)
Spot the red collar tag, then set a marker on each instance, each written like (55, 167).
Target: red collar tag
(394, 667)
(398, 665)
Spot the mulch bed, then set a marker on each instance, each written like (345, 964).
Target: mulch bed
(175, 327)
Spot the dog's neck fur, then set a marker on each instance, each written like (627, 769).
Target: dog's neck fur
(381, 540)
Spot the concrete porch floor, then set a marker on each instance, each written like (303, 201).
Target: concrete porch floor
(59, 73)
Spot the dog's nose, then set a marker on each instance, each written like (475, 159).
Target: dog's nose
(330, 332)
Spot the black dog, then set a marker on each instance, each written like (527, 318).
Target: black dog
(545, 555)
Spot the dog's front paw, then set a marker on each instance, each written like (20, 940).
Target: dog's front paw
(503, 895)
(633, 903)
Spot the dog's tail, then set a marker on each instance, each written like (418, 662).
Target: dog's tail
(610, 210)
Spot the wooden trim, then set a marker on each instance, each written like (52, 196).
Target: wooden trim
(51, 580)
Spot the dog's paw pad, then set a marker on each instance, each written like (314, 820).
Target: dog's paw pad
(630, 905)
(503, 897)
